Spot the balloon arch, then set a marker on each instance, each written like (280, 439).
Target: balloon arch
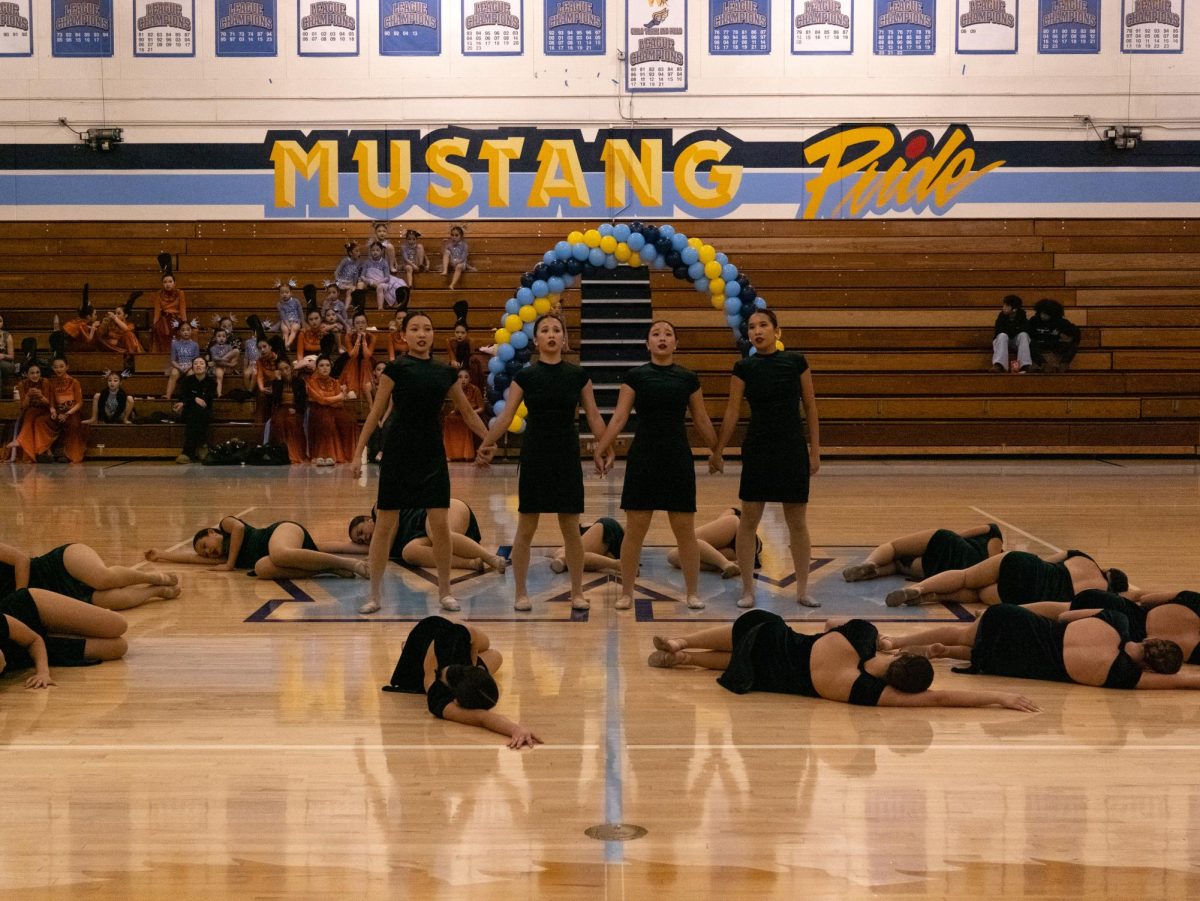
(584, 253)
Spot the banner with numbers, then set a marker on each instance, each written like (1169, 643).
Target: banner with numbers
(823, 26)
(739, 27)
(1152, 26)
(1068, 26)
(905, 27)
(986, 26)
(164, 28)
(81, 27)
(16, 28)
(575, 27)
(410, 27)
(493, 28)
(327, 28)
(247, 28)
(656, 45)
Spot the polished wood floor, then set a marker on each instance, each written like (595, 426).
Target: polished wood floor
(238, 752)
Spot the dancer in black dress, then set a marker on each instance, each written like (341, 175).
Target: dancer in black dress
(776, 461)
(928, 553)
(659, 472)
(413, 474)
(760, 652)
(76, 570)
(1097, 650)
(452, 664)
(412, 544)
(602, 541)
(551, 478)
(282, 550)
(1014, 577)
(717, 542)
(39, 628)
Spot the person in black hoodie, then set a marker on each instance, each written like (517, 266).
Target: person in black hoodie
(1012, 331)
(1053, 340)
(197, 392)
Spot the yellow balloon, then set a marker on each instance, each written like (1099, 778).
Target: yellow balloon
(712, 269)
(718, 302)
(591, 238)
(502, 335)
(575, 238)
(517, 424)
(622, 253)
(608, 243)
(552, 298)
(541, 306)
(707, 253)
(695, 242)
(513, 323)
(778, 344)
(527, 313)
(635, 259)
(522, 410)
(717, 287)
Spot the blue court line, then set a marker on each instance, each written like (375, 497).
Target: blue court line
(614, 740)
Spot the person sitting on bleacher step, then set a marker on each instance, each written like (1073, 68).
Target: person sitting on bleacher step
(1011, 334)
(1053, 340)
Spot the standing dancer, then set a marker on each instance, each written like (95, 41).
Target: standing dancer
(413, 472)
(659, 473)
(551, 479)
(775, 464)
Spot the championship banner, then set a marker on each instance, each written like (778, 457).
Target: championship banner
(575, 27)
(410, 27)
(246, 28)
(986, 26)
(656, 45)
(327, 28)
(823, 26)
(905, 27)
(16, 28)
(1068, 26)
(164, 28)
(1154, 26)
(739, 27)
(492, 28)
(82, 27)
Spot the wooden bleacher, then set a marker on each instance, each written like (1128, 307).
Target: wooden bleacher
(895, 317)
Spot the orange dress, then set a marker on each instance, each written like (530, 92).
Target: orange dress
(357, 373)
(37, 432)
(396, 345)
(308, 342)
(460, 442)
(170, 309)
(332, 430)
(118, 336)
(287, 422)
(66, 393)
(81, 334)
(264, 375)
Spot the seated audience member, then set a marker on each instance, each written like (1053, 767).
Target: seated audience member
(1011, 335)
(1053, 340)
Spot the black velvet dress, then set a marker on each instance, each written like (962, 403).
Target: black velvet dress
(659, 473)
(1026, 578)
(948, 550)
(451, 644)
(775, 451)
(551, 477)
(413, 472)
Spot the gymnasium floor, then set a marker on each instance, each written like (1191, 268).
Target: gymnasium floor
(244, 749)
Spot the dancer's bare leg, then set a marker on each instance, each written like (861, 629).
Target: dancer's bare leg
(419, 552)
(796, 516)
(882, 561)
(287, 554)
(568, 524)
(134, 596)
(437, 524)
(85, 564)
(712, 649)
(752, 512)
(526, 525)
(386, 524)
(637, 523)
(951, 634)
(960, 584)
(683, 525)
(62, 615)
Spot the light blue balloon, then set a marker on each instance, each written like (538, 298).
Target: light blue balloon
(524, 296)
(580, 251)
(666, 231)
(519, 340)
(562, 250)
(549, 257)
(556, 284)
(568, 281)
(729, 272)
(527, 328)
(540, 288)
(679, 241)
(505, 352)
(491, 422)
(760, 303)
(610, 262)
(722, 259)
(498, 406)
(690, 255)
(733, 307)
(621, 232)
(491, 380)
(636, 242)
(496, 365)
(696, 270)
(596, 256)
(605, 229)
(512, 306)
(732, 289)
(701, 285)
(649, 253)
(734, 321)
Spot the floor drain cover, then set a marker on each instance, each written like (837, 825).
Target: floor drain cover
(615, 832)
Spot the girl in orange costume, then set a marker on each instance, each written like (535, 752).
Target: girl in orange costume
(289, 400)
(118, 334)
(37, 430)
(66, 400)
(170, 309)
(80, 332)
(394, 338)
(332, 431)
(308, 342)
(459, 441)
(360, 346)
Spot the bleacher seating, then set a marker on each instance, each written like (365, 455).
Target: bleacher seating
(894, 315)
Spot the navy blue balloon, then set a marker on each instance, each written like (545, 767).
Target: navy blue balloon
(541, 272)
(588, 271)
(558, 267)
(674, 259)
(748, 294)
(743, 280)
(502, 381)
(527, 279)
(663, 246)
(650, 233)
(680, 271)
(574, 267)
(747, 310)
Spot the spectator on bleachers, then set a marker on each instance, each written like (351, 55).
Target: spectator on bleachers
(289, 401)
(333, 302)
(35, 431)
(223, 358)
(347, 273)
(308, 342)
(112, 406)
(197, 390)
(454, 256)
(1053, 340)
(412, 256)
(333, 325)
(394, 337)
(66, 402)
(184, 350)
(77, 333)
(8, 356)
(376, 274)
(458, 347)
(291, 314)
(118, 334)
(170, 311)
(1011, 336)
(250, 364)
(332, 430)
(264, 375)
(460, 442)
(356, 371)
(379, 235)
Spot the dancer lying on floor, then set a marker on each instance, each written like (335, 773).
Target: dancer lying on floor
(75, 570)
(925, 554)
(39, 628)
(412, 544)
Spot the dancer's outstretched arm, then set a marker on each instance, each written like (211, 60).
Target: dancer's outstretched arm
(518, 736)
(957, 698)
